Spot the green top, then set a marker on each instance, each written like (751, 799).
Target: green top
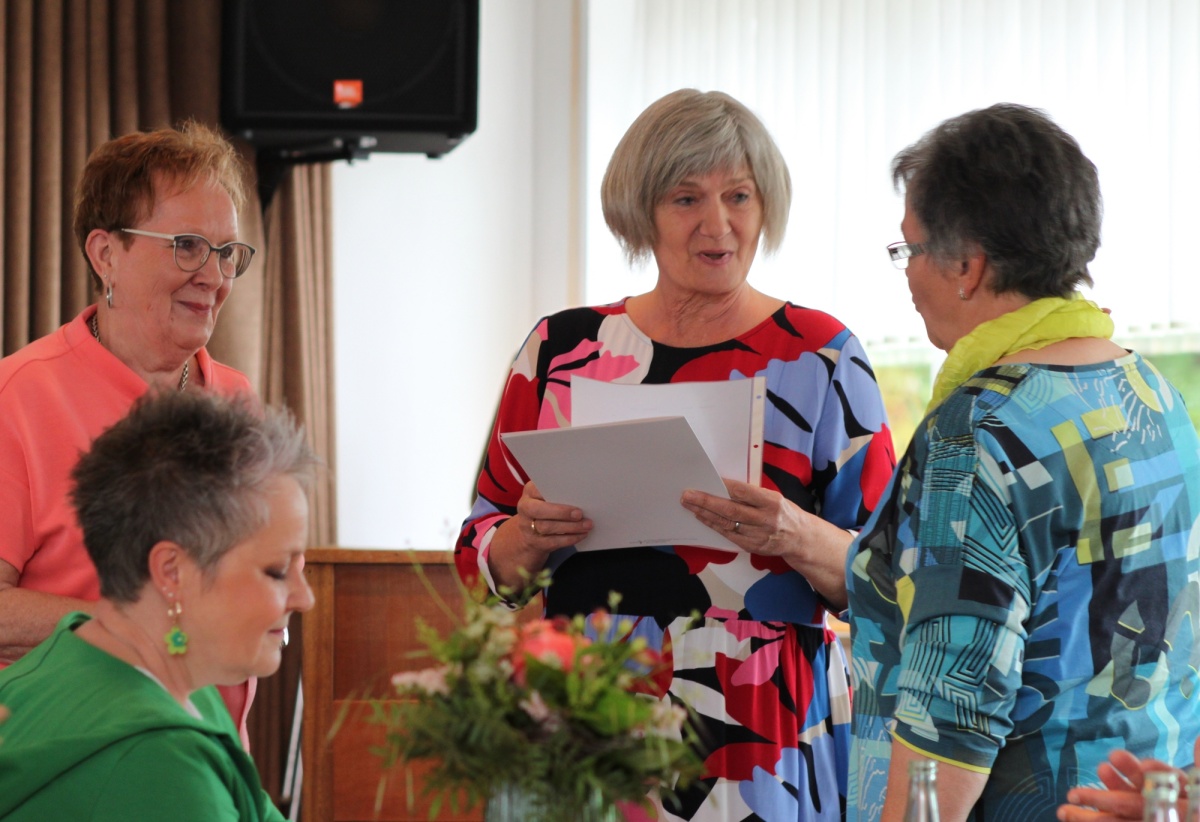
(93, 738)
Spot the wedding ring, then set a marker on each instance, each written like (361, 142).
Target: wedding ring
(737, 527)
(533, 525)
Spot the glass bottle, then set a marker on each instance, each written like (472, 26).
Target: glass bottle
(1193, 795)
(922, 792)
(1160, 792)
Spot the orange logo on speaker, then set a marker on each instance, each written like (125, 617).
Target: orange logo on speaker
(348, 93)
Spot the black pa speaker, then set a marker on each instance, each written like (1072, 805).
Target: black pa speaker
(320, 79)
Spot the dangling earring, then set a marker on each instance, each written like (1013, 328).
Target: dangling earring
(108, 293)
(176, 639)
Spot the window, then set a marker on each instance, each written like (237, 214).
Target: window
(845, 84)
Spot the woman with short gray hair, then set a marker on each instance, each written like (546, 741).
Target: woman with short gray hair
(194, 513)
(698, 184)
(1023, 598)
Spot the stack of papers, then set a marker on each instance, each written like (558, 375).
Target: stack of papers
(632, 450)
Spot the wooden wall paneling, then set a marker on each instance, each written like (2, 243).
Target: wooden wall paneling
(361, 630)
(316, 678)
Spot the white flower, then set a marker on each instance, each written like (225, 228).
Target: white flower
(429, 680)
(540, 712)
(667, 719)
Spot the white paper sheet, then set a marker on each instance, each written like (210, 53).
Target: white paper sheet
(627, 477)
(726, 416)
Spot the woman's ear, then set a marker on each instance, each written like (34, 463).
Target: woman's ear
(166, 563)
(973, 270)
(99, 249)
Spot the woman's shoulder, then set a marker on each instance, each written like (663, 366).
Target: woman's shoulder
(1019, 401)
(578, 322)
(581, 312)
(814, 321)
(59, 734)
(809, 328)
(54, 347)
(224, 379)
(138, 776)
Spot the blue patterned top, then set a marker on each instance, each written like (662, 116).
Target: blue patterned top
(1024, 598)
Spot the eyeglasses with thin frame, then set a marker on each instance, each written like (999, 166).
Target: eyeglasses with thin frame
(900, 252)
(192, 250)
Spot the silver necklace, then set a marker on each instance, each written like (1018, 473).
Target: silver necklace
(94, 324)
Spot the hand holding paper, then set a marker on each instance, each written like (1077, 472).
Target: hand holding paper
(627, 477)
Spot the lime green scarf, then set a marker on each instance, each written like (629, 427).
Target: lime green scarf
(1034, 325)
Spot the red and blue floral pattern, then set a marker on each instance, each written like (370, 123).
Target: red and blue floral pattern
(764, 676)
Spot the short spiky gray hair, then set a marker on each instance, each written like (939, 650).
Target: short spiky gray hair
(685, 134)
(186, 467)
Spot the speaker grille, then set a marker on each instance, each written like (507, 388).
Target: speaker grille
(415, 61)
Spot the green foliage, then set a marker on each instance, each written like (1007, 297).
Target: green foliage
(573, 726)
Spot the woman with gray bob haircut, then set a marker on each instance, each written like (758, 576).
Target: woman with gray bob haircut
(697, 184)
(683, 134)
(194, 512)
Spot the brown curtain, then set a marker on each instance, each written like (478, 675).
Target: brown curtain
(296, 337)
(75, 73)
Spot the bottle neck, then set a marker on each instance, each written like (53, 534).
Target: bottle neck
(1193, 794)
(922, 797)
(1161, 793)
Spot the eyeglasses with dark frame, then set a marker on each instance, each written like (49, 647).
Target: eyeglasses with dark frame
(900, 252)
(191, 252)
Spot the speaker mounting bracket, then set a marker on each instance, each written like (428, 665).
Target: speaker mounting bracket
(274, 161)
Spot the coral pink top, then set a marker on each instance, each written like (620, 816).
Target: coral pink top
(56, 395)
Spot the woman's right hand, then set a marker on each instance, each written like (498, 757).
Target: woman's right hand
(1121, 797)
(526, 541)
(548, 526)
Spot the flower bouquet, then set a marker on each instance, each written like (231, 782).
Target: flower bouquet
(564, 726)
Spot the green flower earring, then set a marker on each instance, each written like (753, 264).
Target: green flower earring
(176, 639)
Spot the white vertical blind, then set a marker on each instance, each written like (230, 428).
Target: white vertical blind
(845, 84)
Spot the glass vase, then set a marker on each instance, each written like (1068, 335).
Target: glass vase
(512, 804)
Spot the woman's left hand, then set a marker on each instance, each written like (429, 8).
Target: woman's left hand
(764, 522)
(755, 519)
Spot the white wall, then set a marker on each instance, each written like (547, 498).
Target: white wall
(484, 240)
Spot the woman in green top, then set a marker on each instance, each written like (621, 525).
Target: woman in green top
(194, 513)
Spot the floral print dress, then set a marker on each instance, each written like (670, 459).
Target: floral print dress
(765, 678)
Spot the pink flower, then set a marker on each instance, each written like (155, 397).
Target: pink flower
(602, 622)
(548, 643)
